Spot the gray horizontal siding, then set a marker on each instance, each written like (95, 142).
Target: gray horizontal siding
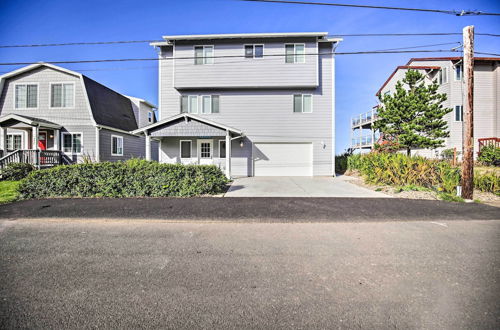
(133, 146)
(78, 115)
(238, 72)
(190, 127)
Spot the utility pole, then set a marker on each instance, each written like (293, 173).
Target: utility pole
(468, 138)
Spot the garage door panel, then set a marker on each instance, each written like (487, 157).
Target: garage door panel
(282, 159)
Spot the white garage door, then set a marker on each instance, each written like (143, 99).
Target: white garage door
(282, 159)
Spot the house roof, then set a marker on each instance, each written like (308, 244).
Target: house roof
(402, 67)
(32, 121)
(187, 115)
(452, 58)
(108, 108)
(149, 104)
(322, 35)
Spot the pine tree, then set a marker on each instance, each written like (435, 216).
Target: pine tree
(413, 115)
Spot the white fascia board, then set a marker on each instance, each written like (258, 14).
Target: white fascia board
(246, 35)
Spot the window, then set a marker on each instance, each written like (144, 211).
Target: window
(209, 104)
(302, 103)
(72, 143)
(254, 51)
(26, 96)
(62, 95)
(205, 150)
(459, 113)
(203, 55)
(387, 93)
(116, 145)
(14, 141)
(222, 149)
(458, 72)
(295, 53)
(150, 116)
(185, 148)
(443, 76)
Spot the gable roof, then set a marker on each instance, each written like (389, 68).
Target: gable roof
(108, 108)
(402, 67)
(32, 121)
(186, 116)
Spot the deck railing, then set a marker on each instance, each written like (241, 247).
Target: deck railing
(39, 158)
(364, 118)
(488, 141)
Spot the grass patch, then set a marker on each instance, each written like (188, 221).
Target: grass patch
(411, 187)
(8, 191)
(450, 197)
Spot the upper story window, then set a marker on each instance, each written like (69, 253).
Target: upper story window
(443, 76)
(458, 72)
(26, 96)
(62, 95)
(150, 116)
(254, 51)
(459, 113)
(302, 103)
(116, 145)
(295, 53)
(200, 104)
(203, 55)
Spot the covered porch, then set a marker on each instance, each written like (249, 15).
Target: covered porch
(189, 139)
(29, 140)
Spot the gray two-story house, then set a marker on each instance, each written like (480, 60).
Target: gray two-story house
(54, 113)
(254, 104)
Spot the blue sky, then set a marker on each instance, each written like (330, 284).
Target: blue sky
(358, 76)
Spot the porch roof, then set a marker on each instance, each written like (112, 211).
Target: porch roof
(31, 121)
(169, 124)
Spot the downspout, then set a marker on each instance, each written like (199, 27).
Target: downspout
(97, 144)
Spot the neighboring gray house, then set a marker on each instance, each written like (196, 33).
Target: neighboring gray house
(254, 104)
(54, 110)
(447, 71)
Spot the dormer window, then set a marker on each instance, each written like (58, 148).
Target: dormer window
(203, 55)
(150, 116)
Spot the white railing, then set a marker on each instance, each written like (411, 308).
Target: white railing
(364, 118)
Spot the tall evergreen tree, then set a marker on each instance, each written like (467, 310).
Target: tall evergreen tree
(413, 115)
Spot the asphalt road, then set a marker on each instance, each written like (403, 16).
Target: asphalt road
(159, 274)
(244, 209)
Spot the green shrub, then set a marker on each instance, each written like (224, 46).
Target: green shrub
(401, 170)
(489, 155)
(133, 178)
(487, 181)
(16, 171)
(341, 162)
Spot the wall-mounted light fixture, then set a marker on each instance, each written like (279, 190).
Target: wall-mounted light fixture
(241, 143)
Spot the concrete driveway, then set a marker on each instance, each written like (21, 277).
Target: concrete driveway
(298, 187)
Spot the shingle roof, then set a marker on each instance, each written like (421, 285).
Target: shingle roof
(109, 108)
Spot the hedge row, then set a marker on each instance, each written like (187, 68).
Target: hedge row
(133, 178)
(401, 170)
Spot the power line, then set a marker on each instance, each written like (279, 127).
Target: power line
(330, 35)
(491, 54)
(231, 56)
(450, 12)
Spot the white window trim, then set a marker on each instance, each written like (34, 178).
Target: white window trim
(295, 53)
(198, 148)
(201, 107)
(222, 141)
(58, 83)
(62, 143)
(123, 146)
(455, 114)
(204, 57)
(190, 149)
(19, 134)
(302, 97)
(444, 69)
(150, 116)
(37, 95)
(197, 104)
(455, 72)
(253, 51)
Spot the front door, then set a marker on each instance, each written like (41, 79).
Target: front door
(42, 140)
(205, 152)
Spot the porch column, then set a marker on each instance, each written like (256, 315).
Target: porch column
(148, 146)
(34, 133)
(228, 154)
(57, 139)
(3, 134)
